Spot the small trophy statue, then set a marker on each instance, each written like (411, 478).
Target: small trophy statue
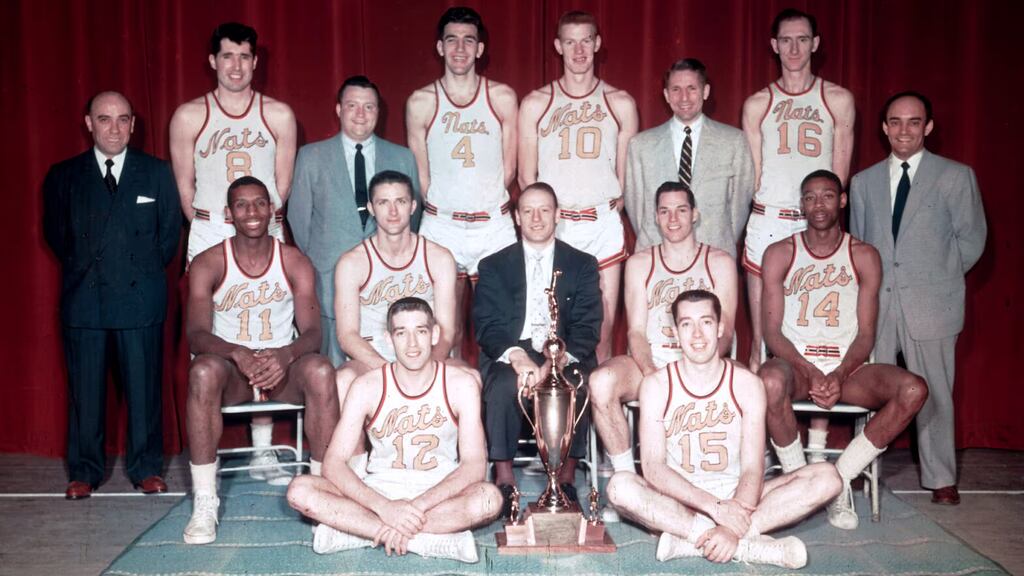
(592, 528)
(518, 533)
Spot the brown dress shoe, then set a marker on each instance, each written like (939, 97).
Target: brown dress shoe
(947, 495)
(78, 490)
(152, 485)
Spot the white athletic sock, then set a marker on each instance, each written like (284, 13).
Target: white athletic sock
(262, 435)
(700, 525)
(315, 466)
(623, 462)
(790, 457)
(816, 441)
(856, 457)
(204, 478)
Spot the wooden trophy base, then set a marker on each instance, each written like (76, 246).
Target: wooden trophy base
(544, 532)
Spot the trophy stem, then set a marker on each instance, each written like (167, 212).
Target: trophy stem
(552, 498)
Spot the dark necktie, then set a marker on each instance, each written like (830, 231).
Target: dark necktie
(686, 160)
(360, 183)
(109, 179)
(902, 191)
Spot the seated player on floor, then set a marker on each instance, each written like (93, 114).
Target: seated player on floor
(247, 297)
(424, 485)
(702, 451)
(820, 305)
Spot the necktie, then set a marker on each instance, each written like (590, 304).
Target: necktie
(360, 183)
(109, 179)
(539, 301)
(902, 191)
(686, 159)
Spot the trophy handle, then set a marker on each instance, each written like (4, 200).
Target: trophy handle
(522, 408)
(586, 401)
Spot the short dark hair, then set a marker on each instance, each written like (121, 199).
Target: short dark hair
(674, 186)
(409, 304)
(827, 175)
(247, 181)
(908, 94)
(358, 81)
(697, 296)
(88, 105)
(234, 31)
(461, 15)
(576, 17)
(793, 14)
(543, 187)
(691, 64)
(390, 177)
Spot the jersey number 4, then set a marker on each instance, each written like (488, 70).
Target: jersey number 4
(808, 142)
(714, 455)
(828, 309)
(426, 442)
(464, 151)
(243, 326)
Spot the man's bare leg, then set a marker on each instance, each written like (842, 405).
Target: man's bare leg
(789, 498)
(459, 334)
(637, 500)
(613, 383)
(756, 331)
(477, 504)
(610, 278)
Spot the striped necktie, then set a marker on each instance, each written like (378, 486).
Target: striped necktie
(686, 160)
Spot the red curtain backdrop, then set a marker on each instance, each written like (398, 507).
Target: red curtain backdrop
(54, 54)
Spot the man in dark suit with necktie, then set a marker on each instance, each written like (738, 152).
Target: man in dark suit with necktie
(111, 217)
(511, 316)
(327, 208)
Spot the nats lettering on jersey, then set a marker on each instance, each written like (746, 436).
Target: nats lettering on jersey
(566, 115)
(241, 297)
(386, 290)
(224, 140)
(399, 421)
(785, 110)
(686, 419)
(665, 291)
(453, 124)
(806, 280)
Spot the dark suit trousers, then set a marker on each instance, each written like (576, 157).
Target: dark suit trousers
(503, 419)
(139, 356)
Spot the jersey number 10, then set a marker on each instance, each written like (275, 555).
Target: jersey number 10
(582, 149)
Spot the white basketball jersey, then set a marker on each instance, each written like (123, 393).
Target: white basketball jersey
(820, 317)
(413, 435)
(254, 311)
(576, 149)
(796, 139)
(464, 151)
(385, 285)
(703, 433)
(663, 286)
(229, 147)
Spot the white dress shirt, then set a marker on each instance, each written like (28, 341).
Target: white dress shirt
(349, 146)
(896, 172)
(547, 264)
(679, 135)
(101, 159)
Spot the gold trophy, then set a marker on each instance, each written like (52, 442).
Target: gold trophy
(553, 523)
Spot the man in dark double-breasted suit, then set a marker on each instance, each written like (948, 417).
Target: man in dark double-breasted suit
(511, 317)
(111, 217)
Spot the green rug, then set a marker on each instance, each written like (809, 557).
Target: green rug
(260, 535)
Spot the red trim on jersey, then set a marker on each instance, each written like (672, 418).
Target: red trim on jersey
(389, 266)
(732, 391)
(234, 256)
(551, 100)
(827, 256)
(437, 106)
(853, 262)
(369, 259)
(230, 115)
(426, 263)
(287, 280)
(614, 259)
(686, 390)
(792, 259)
(476, 94)
(668, 401)
(771, 98)
(647, 282)
(263, 118)
(825, 102)
(398, 386)
(383, 396)
(809, 88)
(487, 96)
(206, 120)
(749, 266)
(604, 96)
(444, 389)
(707, 265)
(696, 256)
(224, 255)
(570, 96)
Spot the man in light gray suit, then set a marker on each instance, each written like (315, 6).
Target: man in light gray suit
(327, 209)
(713, 159)
(924, 214)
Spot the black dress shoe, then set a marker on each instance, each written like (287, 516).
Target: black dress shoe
(506, 499)
(570, 492)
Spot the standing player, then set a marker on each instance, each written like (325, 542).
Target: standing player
(797, 124)
(821, 305)
(654, 278)
(462, 130)
(247, 298)
(702, 449)
(573, 135)
(225, 134)
(425, 483)
(392, 264)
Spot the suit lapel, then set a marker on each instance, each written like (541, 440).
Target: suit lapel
(665, 148)
(339, 171)
(923, 183)
(127, 184)
(517, 288)
(879, 180)
(707, 149)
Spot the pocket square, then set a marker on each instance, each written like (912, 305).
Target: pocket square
(144, 200)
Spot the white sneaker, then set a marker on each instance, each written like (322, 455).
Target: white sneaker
(670, 546)
(273, 476)
(327, 540)
(841, 512)
(609, 515)
(459, 546)
(788, 552)
(202, 527)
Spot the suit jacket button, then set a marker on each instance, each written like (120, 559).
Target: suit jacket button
(99, 258)
(896, 264)
(888, 289)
